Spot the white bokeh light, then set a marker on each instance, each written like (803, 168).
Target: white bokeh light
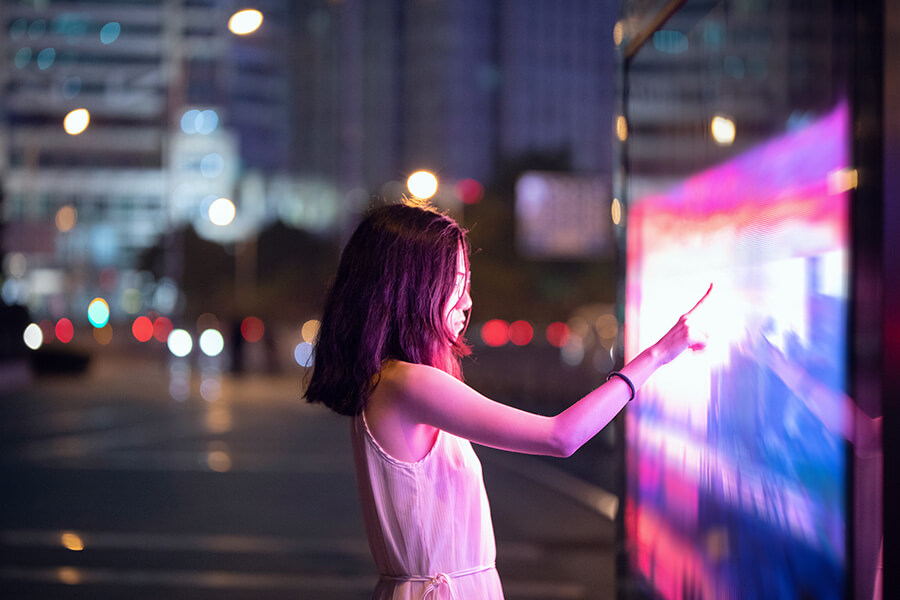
(76, 121)
(180, 342)
(245, 21)
(422, 184)
(723, 130)
(211, 342)
(221, 212)
(33, 336)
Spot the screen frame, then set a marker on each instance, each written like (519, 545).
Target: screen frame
(867, 73)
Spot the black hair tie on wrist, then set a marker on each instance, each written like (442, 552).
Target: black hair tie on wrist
(624, 378)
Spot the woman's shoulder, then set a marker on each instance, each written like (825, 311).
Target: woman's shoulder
(400, 375)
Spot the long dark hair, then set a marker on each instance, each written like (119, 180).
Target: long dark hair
(395, 276)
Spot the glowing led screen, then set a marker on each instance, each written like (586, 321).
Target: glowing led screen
(735, 486)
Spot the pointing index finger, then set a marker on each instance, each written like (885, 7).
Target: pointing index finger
(699, 302)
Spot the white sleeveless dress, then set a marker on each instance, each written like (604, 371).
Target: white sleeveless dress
(428, 522)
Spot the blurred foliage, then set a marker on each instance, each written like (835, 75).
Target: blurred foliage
(292, 271)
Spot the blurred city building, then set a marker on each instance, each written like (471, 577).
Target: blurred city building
(458, 88)
(179, 112)
(301, 122)
(765, 67)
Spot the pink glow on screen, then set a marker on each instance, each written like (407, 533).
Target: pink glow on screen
(723, 455)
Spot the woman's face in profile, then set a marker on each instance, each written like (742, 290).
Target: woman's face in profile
(460, 301)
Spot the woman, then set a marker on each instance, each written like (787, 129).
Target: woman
(388, 355)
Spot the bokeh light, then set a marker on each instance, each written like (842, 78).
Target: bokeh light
(180, 343)
(723, 130)
(211, 387)
(245, 21)
(162, 327)
(221, 212)
(180, 380)
(211, 165)
(47, 329)
(72, 541)
(572, 353)
(66, 217)
(621, 128)
(76, 121)
(71, 87)
(69, 575)
(103, 335)
(521, 333)
(558, 334)
(211, 342)
(189, 121)
(22, 57)
(33, 336)
(64, 330)
(615, 211)
(252, 329)
(37, 28)
(607, 326)
(218, 458)
(207, 321)
(17, 264)
(495, 332)
(142, 329)
(309, 331)
(206, 122)
(165, 296)
(45, 58)
(13, 291)
(422, 184)
(18, 28)
(842, 180)
(303, 354)
(203, 122)
(130, 301)
(98, 312)
(469, 191)
(110, 32)
(618, 33)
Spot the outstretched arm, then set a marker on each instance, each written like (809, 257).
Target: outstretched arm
(431, 397)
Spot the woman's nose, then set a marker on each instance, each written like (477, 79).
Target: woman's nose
(465, 303)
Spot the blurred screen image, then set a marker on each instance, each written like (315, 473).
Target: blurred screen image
(735, 486)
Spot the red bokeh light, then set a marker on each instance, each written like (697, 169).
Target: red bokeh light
(252, 329)
(162, 327)
(558, 334)
(469, 191)
(64, 330)
(142, 329)
(521, 333)
(495, 332)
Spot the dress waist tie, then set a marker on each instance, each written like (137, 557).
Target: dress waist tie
(438, 580)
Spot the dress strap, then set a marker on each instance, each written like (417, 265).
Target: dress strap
(438, 580)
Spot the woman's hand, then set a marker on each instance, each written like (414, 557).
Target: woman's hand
(683, 335)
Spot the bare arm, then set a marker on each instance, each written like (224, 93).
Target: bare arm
(431, 397)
